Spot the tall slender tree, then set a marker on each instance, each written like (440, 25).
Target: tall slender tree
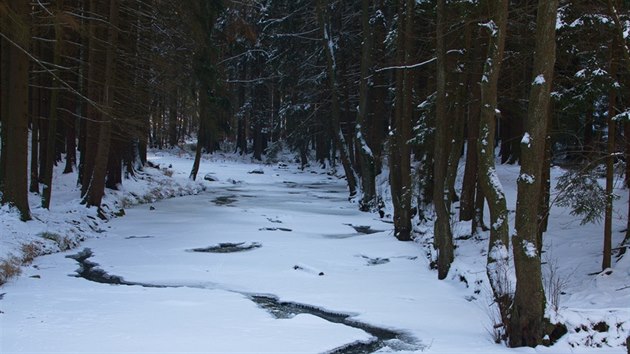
(203, 15)
(368, 166)
(339, 139)
(400, 152)
(526, 320)
(441, 192)
(14, 152)
(610, 158)
(497, 266)
(102, 129)
(47, 172)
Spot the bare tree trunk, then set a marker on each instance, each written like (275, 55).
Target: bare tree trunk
(338, 137)
(477, 221)
(90, 127)
(113, 177)
(545, 187)
(73, 105)
(71, 146)
(203, 111)
(172, 120)
(377, 126)
(15, 123)
(491, 186)
(610, 161)
(96, 188)
(4, 100)
(469, 185)
(526, 321)
(613, 9)
(368, 168)
(443, 236)
(196, 163)
(258, 139)
(205, 14)
(52, 116)
(35, 131)
(400, 153)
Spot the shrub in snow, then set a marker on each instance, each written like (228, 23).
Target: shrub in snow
(580, 191)
(9, 268)
(64, 243)
(30, 251)
(272, 153)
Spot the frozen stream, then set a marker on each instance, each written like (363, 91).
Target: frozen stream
(382, 337)
(273, 262)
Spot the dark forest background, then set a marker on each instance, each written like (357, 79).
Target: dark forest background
(409, 90)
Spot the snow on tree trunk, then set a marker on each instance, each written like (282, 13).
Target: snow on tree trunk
(368, 168)
(400, 154)
(497, 262)
(331, 65)
(526, 320)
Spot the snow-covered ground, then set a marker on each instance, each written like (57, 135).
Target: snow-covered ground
(309, 272)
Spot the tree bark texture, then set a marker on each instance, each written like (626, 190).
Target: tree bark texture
(610, 161)
(400, 153)
(47, 173)
(203, 111)
(526, 321)
(333, 84)
(103, 129)
(443, 234)
(497, 265)
(470, 183)
(14, 169)
(368, 168)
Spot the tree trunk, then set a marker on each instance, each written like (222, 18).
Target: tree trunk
(491, 186)
(35, 116)
(90, 127)
(52, 116)
(203, 111)
(613, 7)
(458, 90)
(610, 161)
(258, 139)
(337, 135)
(4, 102)
(545, 187)
(469, 185)
(15, 123)
(44, 113)
(96, 187)
(368, 169)
(71, 145)
(379, 91)
(72, 105)
(477, 221)
(172, 120)
(114, 164)
(526, 321)
(400, 153)
(443, 236)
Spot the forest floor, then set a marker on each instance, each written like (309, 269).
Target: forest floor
(268, 258)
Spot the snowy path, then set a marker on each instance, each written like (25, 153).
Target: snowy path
(301, 248)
